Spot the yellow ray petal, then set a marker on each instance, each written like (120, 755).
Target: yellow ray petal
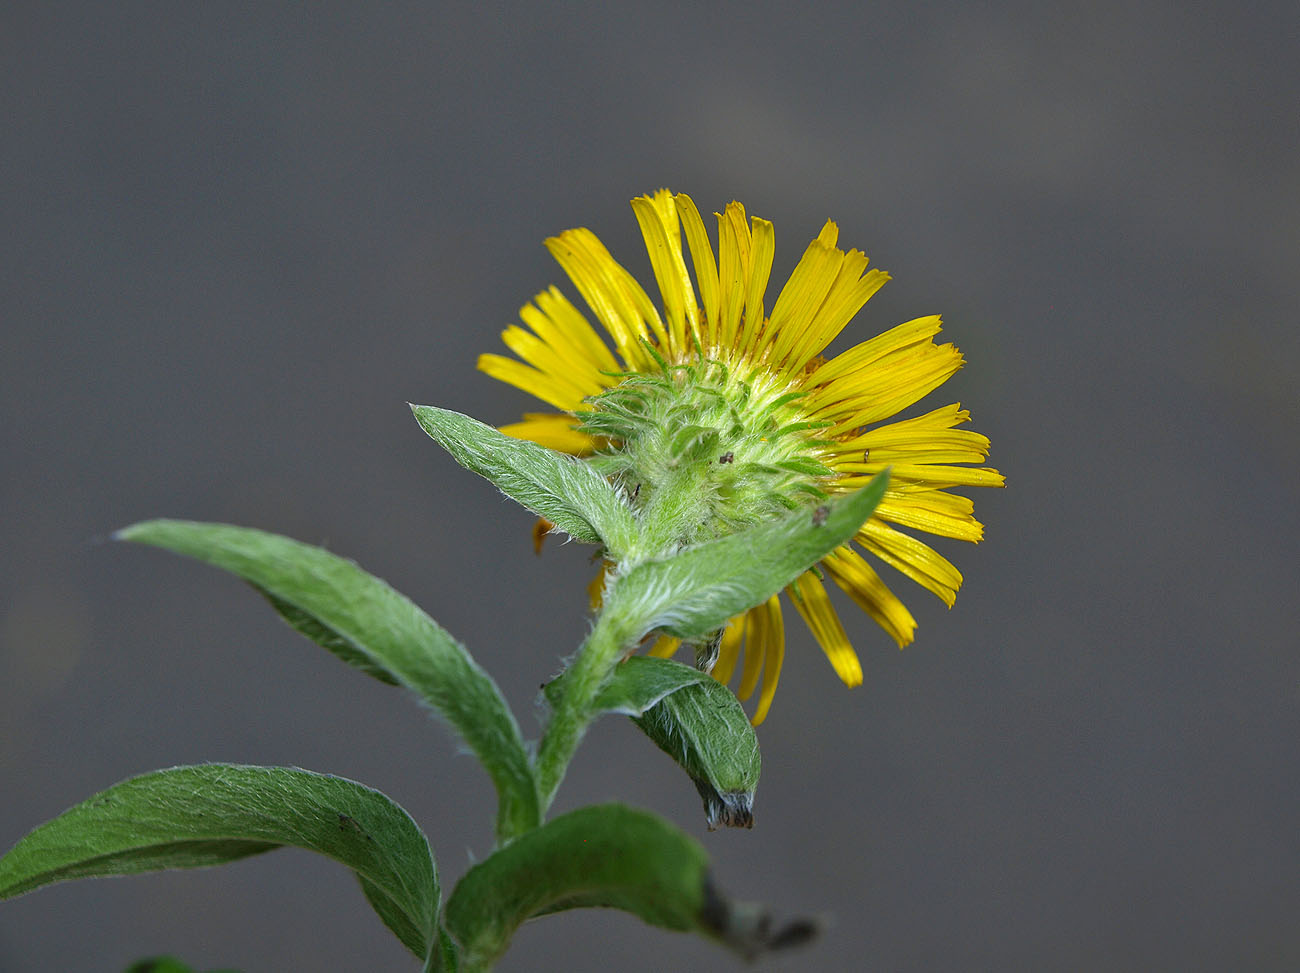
(729, 649)
(890, 385)
(914, 512)
(918, 440)
(810, 598)
(541, 527)
(763, 241)
(706, 268)
(918, 331)
(657, 217)
(774, 634)
(665, 647)
(584, 381)
(920, 562)
(856, 474)
(733, 271)
(755, 647)
(552, 431)
(802, 295)
(596, 588)
(856, 578)
(566, 324)
(611, 292)
(851, 290)
(540, 384)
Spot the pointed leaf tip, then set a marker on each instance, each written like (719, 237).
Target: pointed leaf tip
(566, 491)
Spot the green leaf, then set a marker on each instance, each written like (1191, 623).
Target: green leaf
(697, 590)
(636, 684)
(192, 817)
(367, 624)
(696, 721)
(704, 729)
(566, 491)
(605, 856)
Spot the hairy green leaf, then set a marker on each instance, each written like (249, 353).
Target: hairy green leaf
(367, 624)
(604, 855)
(636, 684)
(566, 491)
(697, 590)
(192, 817)
(704, 729)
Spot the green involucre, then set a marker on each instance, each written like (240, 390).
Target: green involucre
(701, 451)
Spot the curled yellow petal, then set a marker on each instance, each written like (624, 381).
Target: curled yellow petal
(773, 653)
(810, 599)
(729, 649)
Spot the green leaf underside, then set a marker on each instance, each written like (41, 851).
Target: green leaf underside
(607, 855)
(304, 624)
(395, 918)
(192, 817)
(703, 728)
(696, 721)
(637, 684)
(566, 491)
(367, 624)
(700, 588)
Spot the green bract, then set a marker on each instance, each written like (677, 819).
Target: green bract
(701, 450)
(566, 491)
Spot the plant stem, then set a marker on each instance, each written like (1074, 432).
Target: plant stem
(573, 711)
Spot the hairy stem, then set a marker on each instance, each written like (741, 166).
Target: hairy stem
(611, 635)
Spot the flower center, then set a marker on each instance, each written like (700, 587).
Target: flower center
(705, 447)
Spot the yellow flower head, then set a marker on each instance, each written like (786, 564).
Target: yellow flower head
(714, 386)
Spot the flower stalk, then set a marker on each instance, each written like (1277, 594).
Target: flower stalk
(611, 636)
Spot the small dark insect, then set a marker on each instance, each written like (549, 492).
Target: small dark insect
(348, 823)
(727, 457)
(636, 491)
(866, 455)
(820, 515)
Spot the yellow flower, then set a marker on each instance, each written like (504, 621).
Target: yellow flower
(831, 413)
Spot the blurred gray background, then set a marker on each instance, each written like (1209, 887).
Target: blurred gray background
(238, 238)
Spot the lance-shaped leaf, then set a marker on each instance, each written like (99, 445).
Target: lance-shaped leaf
(696, 721)
(704, 729)
(192, 817)
(367, 624)
(636, 684)
(566, 491)
(696, 591)
(604, 856)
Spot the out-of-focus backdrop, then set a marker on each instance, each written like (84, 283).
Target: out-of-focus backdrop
(238, 238)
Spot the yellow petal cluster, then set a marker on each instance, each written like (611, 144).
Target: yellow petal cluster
(715, 307)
